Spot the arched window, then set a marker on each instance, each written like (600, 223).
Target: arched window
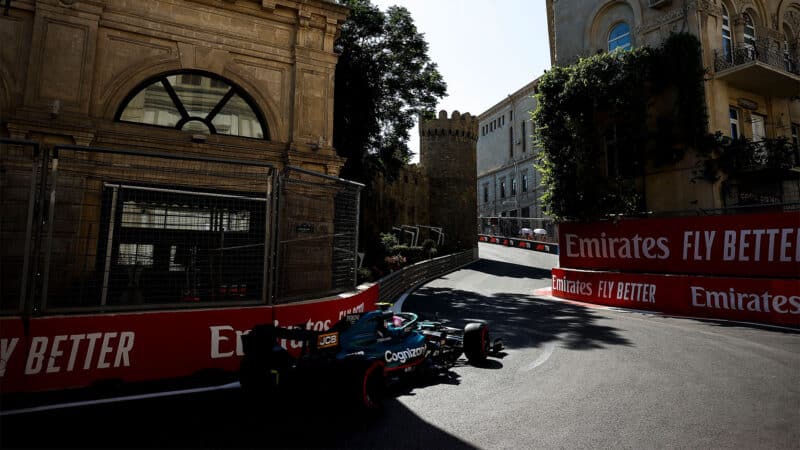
(727, 44)
(788, 58)
(749, 31)
(620, 37)
(194, 102)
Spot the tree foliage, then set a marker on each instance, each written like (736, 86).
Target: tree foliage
(732, 157)
(601, 120)
(384, 81)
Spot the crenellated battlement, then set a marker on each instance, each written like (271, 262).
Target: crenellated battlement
(459, 125)
(448, 147)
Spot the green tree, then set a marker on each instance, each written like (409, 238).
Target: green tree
(602, 120)
(384, 81)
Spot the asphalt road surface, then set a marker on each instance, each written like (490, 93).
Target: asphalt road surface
(571, 376)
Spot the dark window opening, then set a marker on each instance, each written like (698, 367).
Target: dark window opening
(510, 142)
(172, 247)
(734, 118)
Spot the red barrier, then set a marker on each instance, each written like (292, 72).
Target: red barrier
(765, 245)
(743, 299)
(75, 351)
(521, 243)
(321, 315)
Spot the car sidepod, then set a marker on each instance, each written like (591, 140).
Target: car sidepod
(405, 352)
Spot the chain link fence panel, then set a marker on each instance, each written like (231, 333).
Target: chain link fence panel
(317, 235)
(529, 228)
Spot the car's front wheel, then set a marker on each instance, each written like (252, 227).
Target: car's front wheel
(476, 342)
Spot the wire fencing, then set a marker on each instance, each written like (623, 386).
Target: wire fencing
(318, 234)
(529, 228)
(97, 229)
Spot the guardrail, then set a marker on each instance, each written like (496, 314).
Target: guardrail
(410, 277)
(763, 51)
(525, 244)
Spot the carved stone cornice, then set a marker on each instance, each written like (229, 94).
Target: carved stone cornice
(793, 18)
(89, 6)
(268, 5)
(32, 130)
(667, 17)
(707, 7)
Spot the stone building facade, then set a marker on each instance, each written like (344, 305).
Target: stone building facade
(508, 182)
(244, 87)
(67, 69)
(752, 51)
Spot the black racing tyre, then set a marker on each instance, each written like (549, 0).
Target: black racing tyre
(254, 376)
(262, 363)
(476, 342)
(370, 386)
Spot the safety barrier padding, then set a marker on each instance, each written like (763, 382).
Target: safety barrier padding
(545, 247)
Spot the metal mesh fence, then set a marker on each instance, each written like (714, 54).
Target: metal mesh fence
(102, 229)
(318, 235)
(531, 228)
(20, 173)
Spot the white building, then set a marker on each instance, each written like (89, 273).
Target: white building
(508, 182)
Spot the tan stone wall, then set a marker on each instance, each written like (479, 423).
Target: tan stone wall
(448, 155)
(86, 56)
(67, 66)
(404, 201)
(310, 255)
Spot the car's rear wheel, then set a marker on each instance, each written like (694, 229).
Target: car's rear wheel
(371, 387)
(254, 376)
(262, 363)
(476, 342)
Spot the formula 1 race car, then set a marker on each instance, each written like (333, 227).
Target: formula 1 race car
(358, 355)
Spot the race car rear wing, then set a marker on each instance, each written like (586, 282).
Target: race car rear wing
(310, 340)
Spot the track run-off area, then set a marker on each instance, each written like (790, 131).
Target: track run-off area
(571, 376)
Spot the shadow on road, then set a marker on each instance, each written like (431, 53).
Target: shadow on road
(521, 320)
(509, 270)
(222, 419)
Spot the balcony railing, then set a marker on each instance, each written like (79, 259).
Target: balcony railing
(763, 51)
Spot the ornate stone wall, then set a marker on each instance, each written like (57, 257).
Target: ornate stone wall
(760, 85)
(67, 66)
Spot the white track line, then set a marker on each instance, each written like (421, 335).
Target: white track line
(233, 385)
(548, 351)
